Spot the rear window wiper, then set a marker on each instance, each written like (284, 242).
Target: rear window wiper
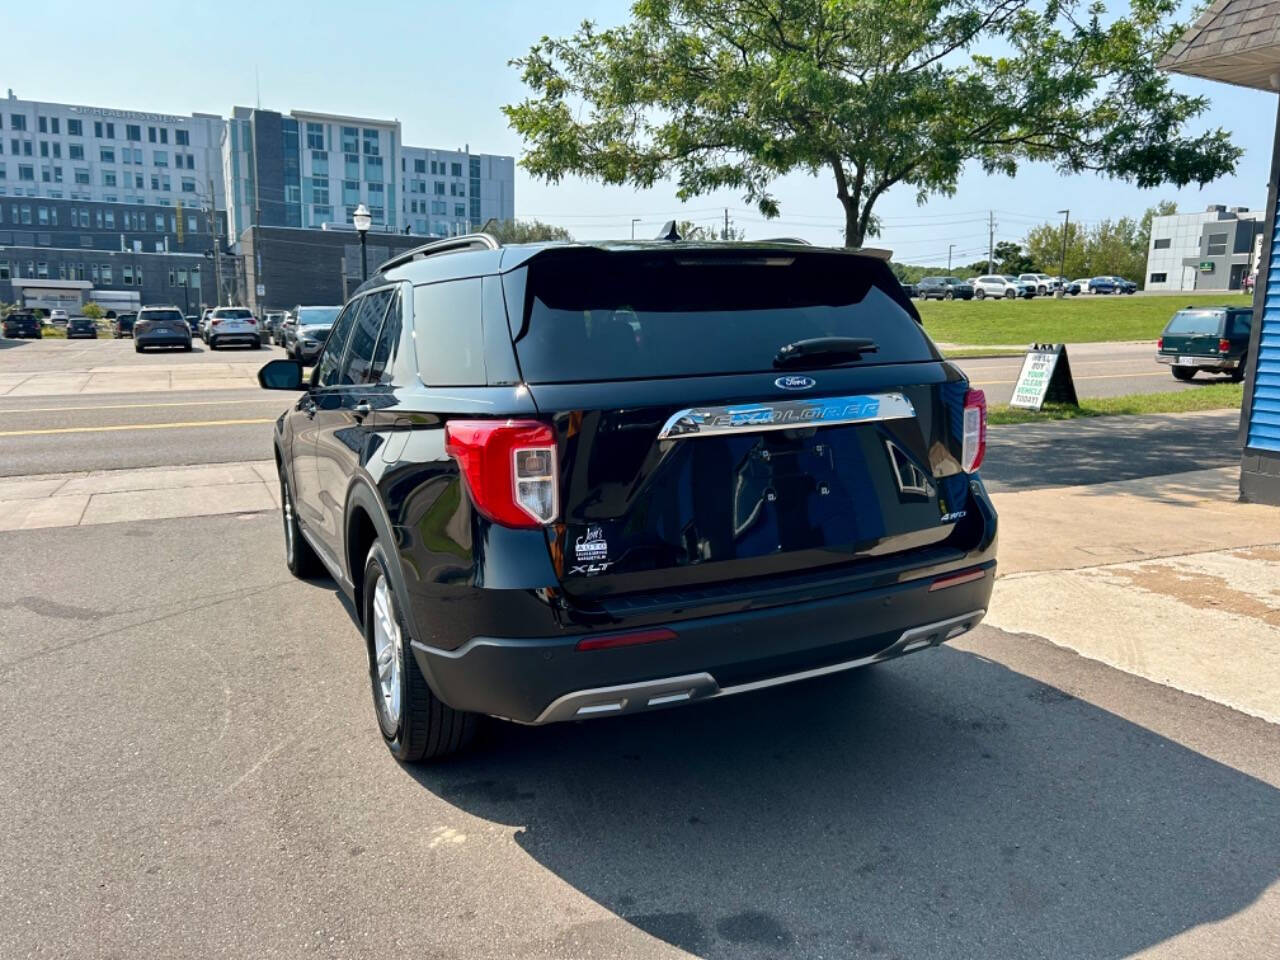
(823, 351)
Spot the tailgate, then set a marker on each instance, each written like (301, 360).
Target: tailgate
(692, 452)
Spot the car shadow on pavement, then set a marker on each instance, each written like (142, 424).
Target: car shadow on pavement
(938, 806)
(1103, 449)
(6, 343)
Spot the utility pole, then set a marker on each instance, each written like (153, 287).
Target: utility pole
(991, 242)
(950, 247)
(726, 224)
(217, 254)
(634, 221)
(1062, 267)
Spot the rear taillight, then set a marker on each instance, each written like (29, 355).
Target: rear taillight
(1224, 346)
(251, 320)
(974, 447)
(509, 467)
(214, 323)
(1160, 344)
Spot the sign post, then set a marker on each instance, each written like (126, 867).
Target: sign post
(1045, 377)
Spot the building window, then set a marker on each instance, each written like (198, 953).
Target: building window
(93, 272)
(108, 178)
(161, 158)
(43, 124)
(159, 222)
(42, 270)
(26, 172)
(460, 210)
(110, 218)
(155, 181)
(106, 273)
(192, 224)
(182, 138)
(126, 275)
(188, 185)
(164, 135)
(1161, 243)
(75, 128)
(371, 142)
(439, 188)
(151, 134)
(351, 166)
(419, 166)
(42, 216)
(315, 136)
(1217, 245)
(138, 184)
(373, 168)
(5, 269)
(1158, 278)
(133, 132)
(319, 163)
(320, 215)
(350, 140)
(75, 151)
(57, 151)
(317, 190)
(82, 175)
(44, 148)
(17, 121)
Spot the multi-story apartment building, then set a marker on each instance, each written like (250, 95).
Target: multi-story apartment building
(311, 170)
(63, 151)
(64, 253)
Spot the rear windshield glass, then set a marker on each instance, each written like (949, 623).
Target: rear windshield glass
(595, 315)
(318, 316)
(1189, 322)
(161, 315)
(232, 314)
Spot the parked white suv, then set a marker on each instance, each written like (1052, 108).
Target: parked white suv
(233, 325)
(995, 285)
(1041, 281)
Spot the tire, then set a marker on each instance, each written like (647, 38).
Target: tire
(257, 344)
(948, 295)
(1011, 294)
(1237, 374)
(1183, 373)
(187, 347)
(213, 343)
(137, 347)
(298, 555)
(425, 728)
(979, 294)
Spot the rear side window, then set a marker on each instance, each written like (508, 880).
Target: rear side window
(364, 337)
(448, 335)
(384, 354)
(597, 315)
(1241, 323)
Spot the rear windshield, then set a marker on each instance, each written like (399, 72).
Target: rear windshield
(322, 316)
(161, 315)
(230, 313)
(596, 315)
(1189, 322)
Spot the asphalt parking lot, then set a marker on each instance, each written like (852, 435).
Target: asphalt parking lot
(192, 767)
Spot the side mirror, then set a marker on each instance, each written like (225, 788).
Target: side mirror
(281, 375)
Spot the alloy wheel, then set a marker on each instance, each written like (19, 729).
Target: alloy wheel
(387, 650)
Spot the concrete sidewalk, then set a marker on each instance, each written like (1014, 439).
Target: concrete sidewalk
(1170, 578)
(114, 496)
(135, 378)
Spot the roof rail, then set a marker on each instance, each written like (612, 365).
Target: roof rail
(787, 240)
(468, 241)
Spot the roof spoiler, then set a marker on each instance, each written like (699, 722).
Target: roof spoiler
(468, 241)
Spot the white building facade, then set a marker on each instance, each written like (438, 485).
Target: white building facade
(72, 152)
(1210, 250)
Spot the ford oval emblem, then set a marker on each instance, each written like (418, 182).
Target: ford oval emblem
(796, 383)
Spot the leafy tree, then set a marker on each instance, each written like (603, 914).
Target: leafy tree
(93, 311)
(689, 230)
(524, 231)
(1110, 247)
(1011, 259)
(875, 93)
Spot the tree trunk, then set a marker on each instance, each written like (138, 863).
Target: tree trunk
(853, 231)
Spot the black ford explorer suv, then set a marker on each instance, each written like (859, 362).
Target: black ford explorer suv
(567, 481)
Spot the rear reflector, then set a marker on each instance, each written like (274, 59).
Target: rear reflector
(955, 579)
(510, 469)
(975, 431)
(636, 638)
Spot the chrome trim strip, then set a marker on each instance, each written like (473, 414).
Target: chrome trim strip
(653, 694)
(785, 414)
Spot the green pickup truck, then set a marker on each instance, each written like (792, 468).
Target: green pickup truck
(1213, 339)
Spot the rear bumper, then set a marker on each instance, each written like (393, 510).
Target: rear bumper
(1200, 363)
(162, 339)
(542, 680)
(241, 336)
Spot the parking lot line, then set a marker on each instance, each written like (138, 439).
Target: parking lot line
(136, 426)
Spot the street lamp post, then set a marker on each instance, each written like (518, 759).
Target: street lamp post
(362, 220)
(634, 221)
(1062, 267)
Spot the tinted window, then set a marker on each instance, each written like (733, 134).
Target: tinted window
(1241, 323)
(231, 313)
(323, 316)
(161, 315)
(1190, 322)
(384, 356)
(328, 366)
(364, 335)
(448, 333)
(594, 315)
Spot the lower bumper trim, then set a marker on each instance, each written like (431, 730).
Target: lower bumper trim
(670, 691)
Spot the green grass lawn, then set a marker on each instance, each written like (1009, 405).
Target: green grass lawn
(1080, 319)
(1210, 396)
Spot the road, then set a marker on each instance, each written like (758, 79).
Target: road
(192, 768)
(82, 405)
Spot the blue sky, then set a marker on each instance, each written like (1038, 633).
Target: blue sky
(441, 69)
